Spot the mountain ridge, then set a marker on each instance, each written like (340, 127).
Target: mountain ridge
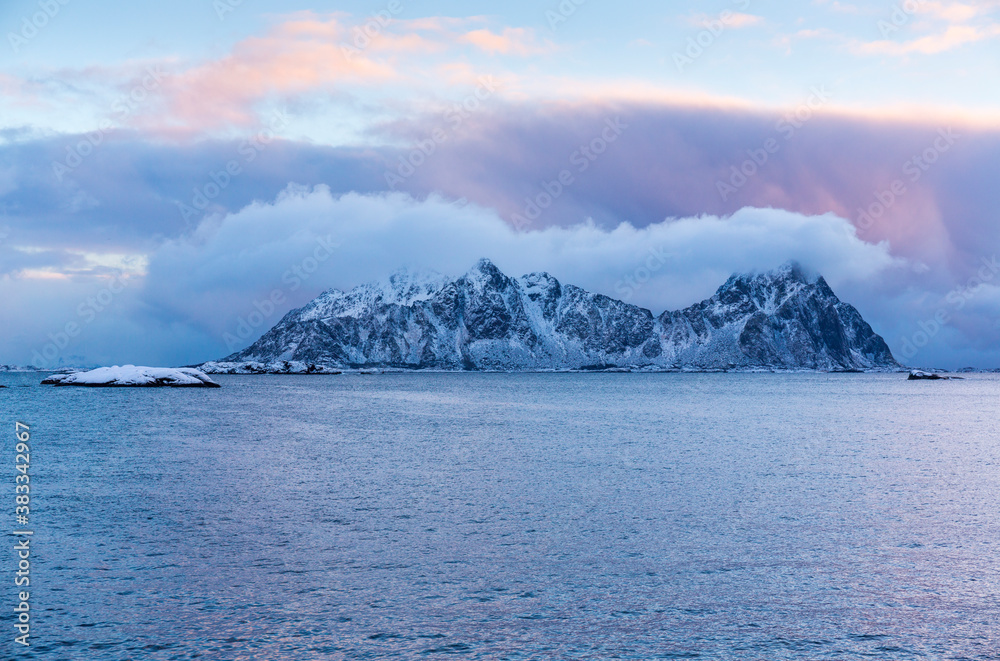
(488, 321)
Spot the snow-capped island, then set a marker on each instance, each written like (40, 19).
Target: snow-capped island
(787, 319)
(130, 376)
(920, 375)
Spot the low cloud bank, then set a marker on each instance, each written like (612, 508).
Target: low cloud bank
(243, 270)
(220, 286)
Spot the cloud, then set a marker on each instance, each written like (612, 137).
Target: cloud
(123, 196)
(334, 56)
(669, 161)
(293, 58)
(947, 26)
(843, 8)
(820, 33)
(217, 275)
(324, 54)
(8, 84)
(731, 19)
(512, 41)
(952, 38)
(955, 12)
(740, 20)
(951, 25)
(122, 200)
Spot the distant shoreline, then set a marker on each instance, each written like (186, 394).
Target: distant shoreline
(365, 371)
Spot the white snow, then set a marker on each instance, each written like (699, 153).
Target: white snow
(273, 367)
(130, 375)
(920, 375)
(408, 287)
(403, 288)
(553, 326)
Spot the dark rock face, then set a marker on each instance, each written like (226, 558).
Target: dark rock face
(486, 320)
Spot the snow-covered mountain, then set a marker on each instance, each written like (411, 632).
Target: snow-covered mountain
(485, 320)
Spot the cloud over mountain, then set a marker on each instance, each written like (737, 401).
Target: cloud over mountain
(216, 275)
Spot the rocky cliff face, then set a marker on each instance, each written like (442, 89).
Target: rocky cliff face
(486, 320)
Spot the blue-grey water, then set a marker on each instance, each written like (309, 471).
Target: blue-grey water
(487, 516)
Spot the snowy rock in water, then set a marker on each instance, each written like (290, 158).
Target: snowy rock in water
(486, 320)
(918, 375)
(276, 367)
(135, 377)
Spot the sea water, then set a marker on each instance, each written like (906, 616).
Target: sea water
(529, 516)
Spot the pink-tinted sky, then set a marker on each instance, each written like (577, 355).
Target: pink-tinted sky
(161, 170)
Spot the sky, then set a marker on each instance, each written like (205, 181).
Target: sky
(167, 168)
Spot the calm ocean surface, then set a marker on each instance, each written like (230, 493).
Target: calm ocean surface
(542, 516)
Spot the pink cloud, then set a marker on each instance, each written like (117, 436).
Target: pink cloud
(512, 41)
(954, 37)
(739, 20)
(24, 93)
(310, 53)
(441, 23)
(731, 19)
(843, 8)
(295, 57)
(953, 12)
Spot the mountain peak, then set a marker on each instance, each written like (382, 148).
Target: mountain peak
(485, 265)
(485, 273)
(407, 286)
(784, 318)
(790, 271)
(793, 270)
(770, 289)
